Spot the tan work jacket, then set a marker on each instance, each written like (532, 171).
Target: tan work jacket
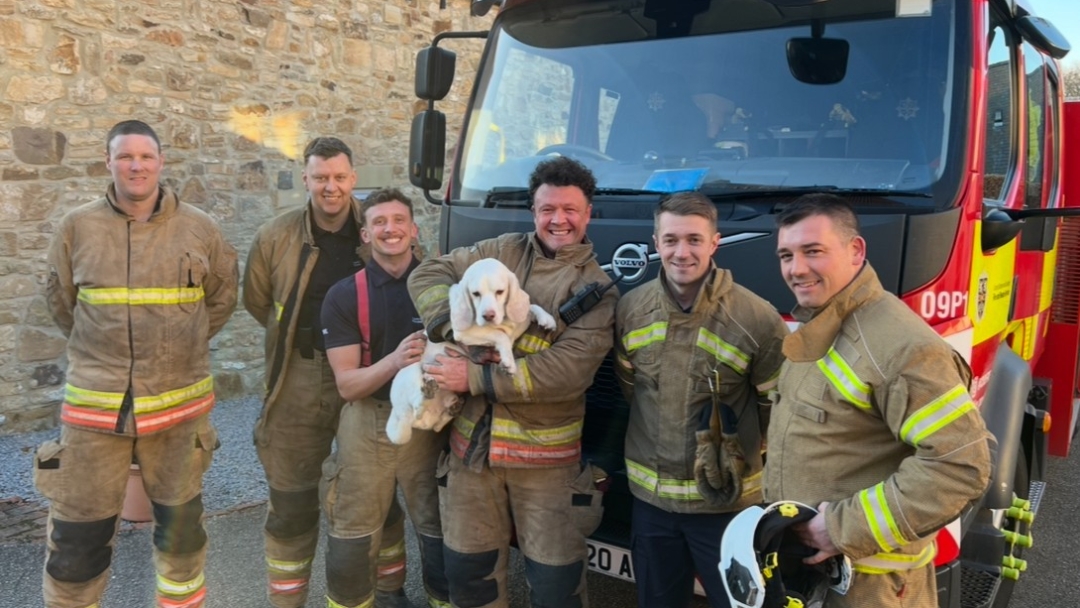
(874, 416)
(536, 414)
(139, 302)
(665, 361)
(276, 275)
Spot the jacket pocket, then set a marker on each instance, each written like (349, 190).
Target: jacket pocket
(206, 442)
(48, 476)
(586, 500)
(193, 269)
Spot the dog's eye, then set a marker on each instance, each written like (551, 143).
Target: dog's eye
(499, 292)
(476, 294)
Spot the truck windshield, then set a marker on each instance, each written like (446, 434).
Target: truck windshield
(717, 106)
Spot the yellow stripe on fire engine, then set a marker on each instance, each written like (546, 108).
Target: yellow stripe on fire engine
(990, 288)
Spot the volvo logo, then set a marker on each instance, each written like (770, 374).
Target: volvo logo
(630, 261)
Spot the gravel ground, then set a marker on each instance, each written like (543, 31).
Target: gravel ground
(235, 478)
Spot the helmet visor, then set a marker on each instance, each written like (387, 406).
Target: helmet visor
(738, 561)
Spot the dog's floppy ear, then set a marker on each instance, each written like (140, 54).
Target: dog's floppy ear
(517, 301)
(461, 308)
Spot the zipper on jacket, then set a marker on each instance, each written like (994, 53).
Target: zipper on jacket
(128, 404)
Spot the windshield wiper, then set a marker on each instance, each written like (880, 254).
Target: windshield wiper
(765, 192)
(507, 196)
(512, 196)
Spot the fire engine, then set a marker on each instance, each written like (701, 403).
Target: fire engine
(942, 122)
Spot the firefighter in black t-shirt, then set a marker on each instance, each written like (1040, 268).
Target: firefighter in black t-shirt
(360, 478)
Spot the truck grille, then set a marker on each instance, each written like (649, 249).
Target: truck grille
(1066, 305)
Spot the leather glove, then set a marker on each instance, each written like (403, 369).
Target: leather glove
(718, 460)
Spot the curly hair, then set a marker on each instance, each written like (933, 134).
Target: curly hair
(562, 171)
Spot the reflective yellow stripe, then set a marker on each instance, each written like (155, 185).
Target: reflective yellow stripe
(880, 518)
(640, 338)
(368, 603)
(676, 489)
(523, 379)
(393, 551)
(842, 377)
(936, 415)
(464, 426)
(434, 603)
(511, 431)
(432, 296)
(764, 388)
(103, 296)
(531, 345)
(288, 567)
(724, 352)
(884, 563)
(150, 403)
(179, 588)
(278, 309)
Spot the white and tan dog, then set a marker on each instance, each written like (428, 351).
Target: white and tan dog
(488, 309)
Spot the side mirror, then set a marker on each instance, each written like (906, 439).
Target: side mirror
(434, 73)
(427, 149)
(998, 228)
(818, 60)
(1043, 35)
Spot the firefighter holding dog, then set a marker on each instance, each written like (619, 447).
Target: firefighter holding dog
(697, 356)
(515, 449)
(874, 425)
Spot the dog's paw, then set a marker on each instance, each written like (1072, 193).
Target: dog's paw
(509, 366)
(452, 404)
(429, 388)
(543, 318)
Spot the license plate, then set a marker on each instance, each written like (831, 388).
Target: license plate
(616, 561)
(610, 560)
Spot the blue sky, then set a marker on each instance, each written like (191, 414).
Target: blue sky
(1063, 14)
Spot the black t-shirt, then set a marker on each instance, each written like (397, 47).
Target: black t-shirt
(392, 313)
(338, 259)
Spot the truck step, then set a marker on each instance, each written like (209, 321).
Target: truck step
(1035, 494)
(978, 588)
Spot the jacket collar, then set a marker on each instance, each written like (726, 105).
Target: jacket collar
(716, 285)
(819, 327)
(166, 205)
(309, 219)
(575, 255)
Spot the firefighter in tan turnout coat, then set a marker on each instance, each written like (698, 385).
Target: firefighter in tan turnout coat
(874, 425)
(139, 282)
(516, 446)
(690, 344)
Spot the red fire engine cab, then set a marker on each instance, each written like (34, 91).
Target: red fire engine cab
(943, 122)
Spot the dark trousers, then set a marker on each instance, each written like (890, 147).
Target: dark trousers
(669, 549)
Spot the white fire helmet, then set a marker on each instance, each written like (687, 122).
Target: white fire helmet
(761, 561)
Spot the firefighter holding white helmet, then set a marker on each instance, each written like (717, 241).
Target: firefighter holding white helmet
(873, 424)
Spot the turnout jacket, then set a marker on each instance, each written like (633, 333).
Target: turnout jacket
(874, 416)
(139, 302)
(279, 265)
(532, 419)
(665, 361)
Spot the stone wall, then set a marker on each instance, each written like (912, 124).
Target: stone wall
(234, 88)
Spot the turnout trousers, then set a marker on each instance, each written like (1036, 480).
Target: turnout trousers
(358, 489)
(292, 439)
(84, 475)
(551, 511)
(669, 548)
